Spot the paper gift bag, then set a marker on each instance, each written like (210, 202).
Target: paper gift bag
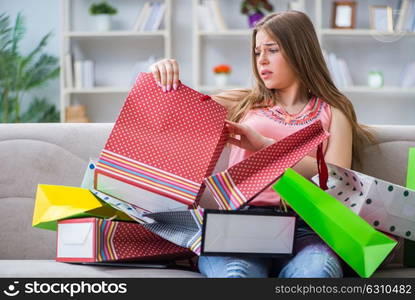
(410, 173)
(240, 183)
(183, 228)
(134, 212)
(247, 233)
(164, 143)
(100, 240)
(56, 202)
(88, 179)
(386, 206)
(409, 246)
(352, 238)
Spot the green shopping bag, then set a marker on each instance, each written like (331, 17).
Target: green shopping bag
(410, 175)
(352, 238)
(409, 246)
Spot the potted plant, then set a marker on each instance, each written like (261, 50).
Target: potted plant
(254, 9)
(102, 12)
(222, 73)
(21, 73)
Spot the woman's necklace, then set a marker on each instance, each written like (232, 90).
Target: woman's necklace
(288, 117)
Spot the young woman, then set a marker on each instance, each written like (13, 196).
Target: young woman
(292, 89)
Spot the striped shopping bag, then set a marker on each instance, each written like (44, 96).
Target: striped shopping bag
(162, 146)
(101, 240)
(243, 181)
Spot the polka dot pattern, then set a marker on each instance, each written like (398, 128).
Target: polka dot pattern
(388, 207)
(261, 169)
(181, 132)
(132, 241)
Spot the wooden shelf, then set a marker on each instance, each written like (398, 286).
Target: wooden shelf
(99, 90)
(353, 89)
(367, 41)
(78, 35)
(363, 32)
(115, 34)
(385, 89)
(226, 33)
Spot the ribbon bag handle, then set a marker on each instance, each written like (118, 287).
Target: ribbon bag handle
(322, 168)
(323, 174)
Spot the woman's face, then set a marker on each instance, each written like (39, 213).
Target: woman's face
(272, 67)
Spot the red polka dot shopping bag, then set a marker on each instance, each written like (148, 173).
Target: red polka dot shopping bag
(162, 146)
(243, 181)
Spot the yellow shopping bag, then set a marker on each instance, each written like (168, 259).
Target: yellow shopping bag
(57, 202)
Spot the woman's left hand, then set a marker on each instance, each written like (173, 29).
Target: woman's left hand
(249, 138)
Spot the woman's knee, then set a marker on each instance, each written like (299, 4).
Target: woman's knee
(316, 261)
(233, 267)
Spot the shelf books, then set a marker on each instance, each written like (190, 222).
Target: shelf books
(408, 79)
(143, 14)
(210, 17)
(82, 75)
(405, 20)
(68, 71)
(339, 70)
(150, 16)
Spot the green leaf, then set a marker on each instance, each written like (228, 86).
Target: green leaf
(19, 31)
(102, 8)
(43, 42)
(40, 72)
(40, 111)
(5, 31)
(20, 73)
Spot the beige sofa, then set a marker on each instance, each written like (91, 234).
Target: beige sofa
(58, 154)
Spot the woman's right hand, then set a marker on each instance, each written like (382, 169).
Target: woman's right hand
(166, 74)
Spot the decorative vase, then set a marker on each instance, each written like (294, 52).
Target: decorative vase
(221, 79)
(254, 18)
(375, 79)
(102, 22)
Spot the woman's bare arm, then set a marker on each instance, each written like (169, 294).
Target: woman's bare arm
(339, 148)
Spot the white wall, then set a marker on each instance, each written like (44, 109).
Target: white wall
(43, 16)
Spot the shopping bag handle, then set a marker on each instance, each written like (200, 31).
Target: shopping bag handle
(205, 97)
(322, 168)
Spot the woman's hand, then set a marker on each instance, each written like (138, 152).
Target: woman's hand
(249, 138)
(166, 74)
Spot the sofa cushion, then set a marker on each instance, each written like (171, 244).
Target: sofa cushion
(50, 268)
(53, 269)
(33, 154)
(388, 158)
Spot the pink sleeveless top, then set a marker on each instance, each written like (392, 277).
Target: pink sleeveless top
(272, 122)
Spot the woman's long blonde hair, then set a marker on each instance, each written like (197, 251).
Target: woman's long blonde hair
(294, 32)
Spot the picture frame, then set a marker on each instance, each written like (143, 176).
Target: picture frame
(381, 18)
(344, 15)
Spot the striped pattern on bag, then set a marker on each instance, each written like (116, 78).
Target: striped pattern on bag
(146, 176)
